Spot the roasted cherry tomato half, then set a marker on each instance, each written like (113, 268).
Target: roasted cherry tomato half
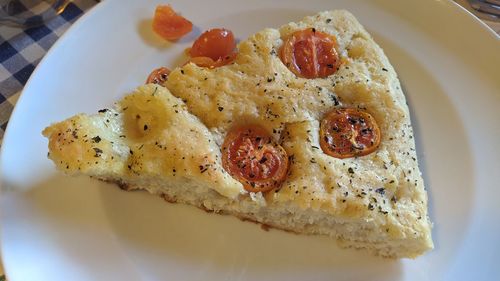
(158, 76)
(214, 43)
(214, 48)
(349, 132)
(310, 53)
(250, 155)
(170, 25)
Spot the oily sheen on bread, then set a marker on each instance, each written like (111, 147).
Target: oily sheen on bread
(167, 140)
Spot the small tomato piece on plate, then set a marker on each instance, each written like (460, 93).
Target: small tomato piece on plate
(170, 25)
(310, 53)
(250, 155)
(349, 132)
(158, 76)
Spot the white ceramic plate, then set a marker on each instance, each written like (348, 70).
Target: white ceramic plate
(60, 228)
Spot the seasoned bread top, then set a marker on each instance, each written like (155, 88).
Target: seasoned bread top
(147, 134)
(259, 87)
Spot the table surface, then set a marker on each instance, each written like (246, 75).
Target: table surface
(21, 51)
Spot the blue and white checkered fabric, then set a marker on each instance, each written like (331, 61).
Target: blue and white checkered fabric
(21, 50)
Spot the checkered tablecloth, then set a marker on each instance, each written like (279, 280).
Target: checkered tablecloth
(21, 50)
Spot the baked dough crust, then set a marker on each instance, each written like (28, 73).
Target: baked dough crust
(167, 140)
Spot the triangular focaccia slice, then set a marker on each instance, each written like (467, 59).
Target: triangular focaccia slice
(168, 141)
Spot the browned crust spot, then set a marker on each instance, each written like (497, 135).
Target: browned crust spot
(122, 185)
